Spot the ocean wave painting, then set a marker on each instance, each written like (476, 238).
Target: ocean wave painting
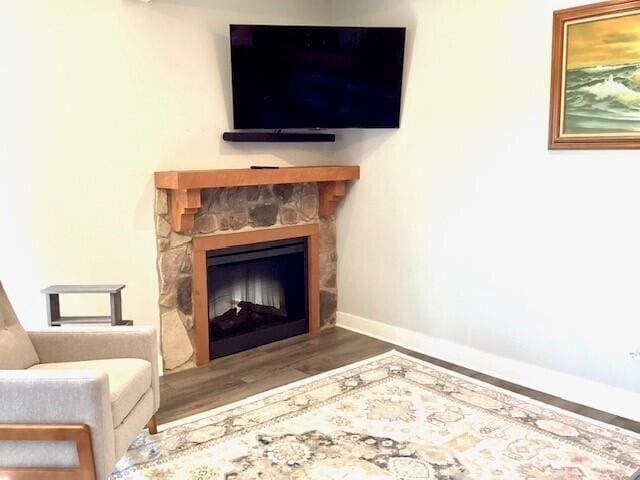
(603, 99)
(602, 78)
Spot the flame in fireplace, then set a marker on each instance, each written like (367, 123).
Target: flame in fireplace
(251, 282)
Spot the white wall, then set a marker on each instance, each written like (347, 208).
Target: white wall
(464, 226)
(96, 95)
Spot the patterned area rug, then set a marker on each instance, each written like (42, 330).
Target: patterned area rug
(389, 417)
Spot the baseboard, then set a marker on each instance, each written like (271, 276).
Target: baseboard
(597, 395)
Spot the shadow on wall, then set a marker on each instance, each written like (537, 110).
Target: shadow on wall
(223, 54)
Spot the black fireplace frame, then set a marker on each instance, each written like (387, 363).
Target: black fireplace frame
(221, 347)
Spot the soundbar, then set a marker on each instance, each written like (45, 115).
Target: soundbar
(277, 137)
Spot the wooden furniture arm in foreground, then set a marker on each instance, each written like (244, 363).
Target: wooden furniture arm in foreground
(80, 434)
(153, 426)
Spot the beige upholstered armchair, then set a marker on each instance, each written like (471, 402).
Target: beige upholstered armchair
(72, 401)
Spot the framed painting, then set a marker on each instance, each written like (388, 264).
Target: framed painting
(595, 76)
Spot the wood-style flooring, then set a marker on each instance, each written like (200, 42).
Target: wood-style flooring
(226, 380)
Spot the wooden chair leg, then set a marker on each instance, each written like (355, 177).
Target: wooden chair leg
(80, 434)
(152, 426)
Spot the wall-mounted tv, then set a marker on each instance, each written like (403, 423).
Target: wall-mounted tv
(316, 77)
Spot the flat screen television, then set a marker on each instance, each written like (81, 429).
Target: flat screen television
(316, 77)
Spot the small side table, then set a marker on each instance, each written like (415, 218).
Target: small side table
(53, 293)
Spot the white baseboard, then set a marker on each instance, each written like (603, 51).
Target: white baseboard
(575, 389)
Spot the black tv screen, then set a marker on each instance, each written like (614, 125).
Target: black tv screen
(316, 77)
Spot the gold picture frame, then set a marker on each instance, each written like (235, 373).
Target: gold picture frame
(595, 77)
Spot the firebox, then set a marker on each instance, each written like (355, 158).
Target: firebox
(257, 294)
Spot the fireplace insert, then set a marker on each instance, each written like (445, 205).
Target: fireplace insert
(257, 294)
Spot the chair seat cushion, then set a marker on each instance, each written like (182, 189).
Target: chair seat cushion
(129, 379)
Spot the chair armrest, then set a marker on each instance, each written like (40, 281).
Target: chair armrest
(62, 344)
(59, 397)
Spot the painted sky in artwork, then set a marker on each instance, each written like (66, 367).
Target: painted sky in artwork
(611, 41)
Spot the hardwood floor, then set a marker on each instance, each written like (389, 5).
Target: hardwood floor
(235, 377)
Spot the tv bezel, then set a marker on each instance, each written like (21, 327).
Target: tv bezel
(396, 125)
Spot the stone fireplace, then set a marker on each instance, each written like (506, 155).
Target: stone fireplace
(223, 216)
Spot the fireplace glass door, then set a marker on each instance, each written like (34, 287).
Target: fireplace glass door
(257, 294)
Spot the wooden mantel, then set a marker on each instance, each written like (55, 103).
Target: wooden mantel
(184, 186)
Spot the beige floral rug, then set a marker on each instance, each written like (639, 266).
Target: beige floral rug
(389, 417)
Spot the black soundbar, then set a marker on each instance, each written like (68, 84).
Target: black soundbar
(277, 137)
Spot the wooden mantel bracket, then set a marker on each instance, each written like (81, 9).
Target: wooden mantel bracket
(184, 186)
(330, 194)
(184, 205)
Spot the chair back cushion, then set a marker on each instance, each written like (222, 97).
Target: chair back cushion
(16, 349)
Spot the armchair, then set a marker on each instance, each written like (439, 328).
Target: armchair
(72, 400)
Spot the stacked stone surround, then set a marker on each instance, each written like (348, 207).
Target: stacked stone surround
(226, 210)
